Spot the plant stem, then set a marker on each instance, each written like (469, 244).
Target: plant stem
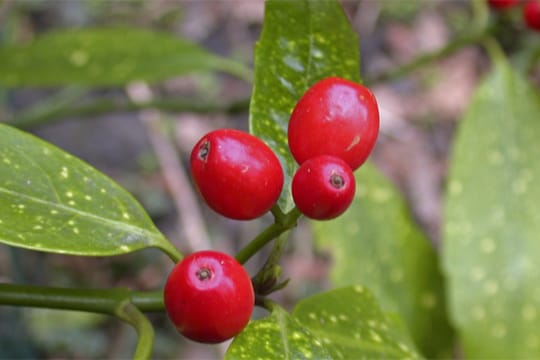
(425, 59)
(172, 252)
(265, 303)
(103, 301)
(55, 113)
(129, 313)
(287, 222)
(124, 304)
(494, 50)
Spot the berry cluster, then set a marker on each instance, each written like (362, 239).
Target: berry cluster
(208, 295)
(531, 10)
(332, 130)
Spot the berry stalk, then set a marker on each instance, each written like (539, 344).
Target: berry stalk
(281, 225)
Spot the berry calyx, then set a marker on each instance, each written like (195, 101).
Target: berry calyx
(236, 173)
(334, 117)
(501, 4)
(323, 187)
(209, 297)
(531, 14)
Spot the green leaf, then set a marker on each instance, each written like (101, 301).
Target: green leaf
(276, 337)
(351, 325)
(377, 244)
(344, 323)
(302, 41)
(52, 201)
(106, 56)
(492, 220)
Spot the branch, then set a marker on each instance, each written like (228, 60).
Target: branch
(50, 114)
(104, 301)
(425, 59)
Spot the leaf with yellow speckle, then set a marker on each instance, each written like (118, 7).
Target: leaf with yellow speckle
(377, 244)
(345, 323)
(492, 220)
(351, 325)
(51, 201)
(295, 50)
(106, 56)
(276, 337)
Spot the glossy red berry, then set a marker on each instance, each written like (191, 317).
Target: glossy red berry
(236, 173)
(323, 187)
(531, 14)
(209, 297)
(334, 117)
(502, 4)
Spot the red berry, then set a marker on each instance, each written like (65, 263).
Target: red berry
(236, 173)
(501, 4)
(323, 187)
(531, 14)
(334, 117)
(209, 297)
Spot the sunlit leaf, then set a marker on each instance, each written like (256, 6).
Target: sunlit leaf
(339, 324)
(52, 201)
(276, 337)
(351, 325)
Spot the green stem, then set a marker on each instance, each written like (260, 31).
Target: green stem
(267, 280)
(279, 216)
(494, 50)
(49, 114)
(265, 303)
(287, 222)
(129, 313)
(172, 252)
(480, 11)
(122, 303)
(423, 60)
(103, 301)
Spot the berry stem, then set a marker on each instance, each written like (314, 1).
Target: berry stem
(172, 252)
(265, 303)
(494, 50)
(282, 224)
(278, 214)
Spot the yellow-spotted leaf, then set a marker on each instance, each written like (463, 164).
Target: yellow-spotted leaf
(345, 323)
(351, 325)
(492, 220)
(52, 201)
(278, 336)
